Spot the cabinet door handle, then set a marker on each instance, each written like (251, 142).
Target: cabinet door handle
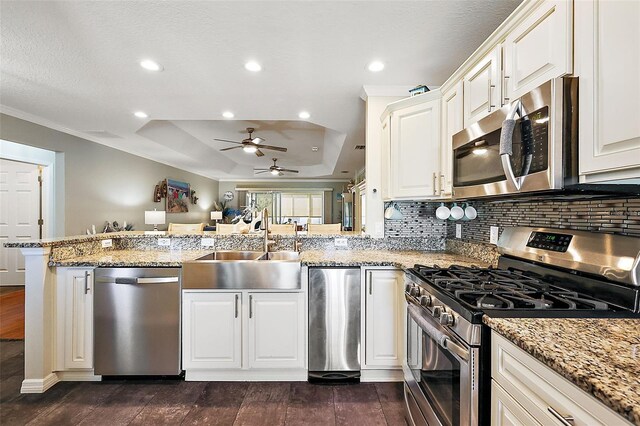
(490, 90)
(86, 282)
(565, 420)
(434, 184)
(237, 298)
(505, 99)
(441, 184)
(250, 306)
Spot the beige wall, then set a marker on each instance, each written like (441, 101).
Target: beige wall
(334, 209)
(102, 183)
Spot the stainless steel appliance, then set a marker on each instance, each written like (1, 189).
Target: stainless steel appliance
(347, 211)
(541, 273)
(529, 145)
(334, 323)
(137, 321)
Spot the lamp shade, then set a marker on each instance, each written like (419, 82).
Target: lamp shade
(216, 215)
(154, 217)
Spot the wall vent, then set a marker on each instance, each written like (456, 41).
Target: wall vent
(359, 147)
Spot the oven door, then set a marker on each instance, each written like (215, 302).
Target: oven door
(440, 372)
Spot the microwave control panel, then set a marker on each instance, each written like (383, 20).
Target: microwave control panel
(550, 241)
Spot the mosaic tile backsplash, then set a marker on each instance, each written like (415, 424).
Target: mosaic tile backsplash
(618, 216)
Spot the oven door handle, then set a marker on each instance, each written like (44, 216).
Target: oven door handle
(455, 348)
(506, 143)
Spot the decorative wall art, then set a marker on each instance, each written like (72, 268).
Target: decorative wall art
(178, 194)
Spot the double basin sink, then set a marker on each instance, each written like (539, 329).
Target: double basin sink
(239, 270)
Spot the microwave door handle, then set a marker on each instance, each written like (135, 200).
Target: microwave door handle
(506, 144)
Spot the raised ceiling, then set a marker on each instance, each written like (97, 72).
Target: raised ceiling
(74, 65)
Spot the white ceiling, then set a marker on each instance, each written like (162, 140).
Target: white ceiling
(74, 65)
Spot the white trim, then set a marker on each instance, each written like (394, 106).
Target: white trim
(13, 151)
(253, 375)
(382, 375)
(384, 91)
(39, 385)
(411, 101)
(78, 376)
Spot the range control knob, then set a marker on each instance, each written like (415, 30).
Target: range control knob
(437, 311)
(408, 288)
(426, 300)
(415, 292)
(447, 319)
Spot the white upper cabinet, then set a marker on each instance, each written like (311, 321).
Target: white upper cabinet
(385, 144)
(482, 87)
(276, 330)
(452, 123)
(538, 49)
(415, 150)
(607, 62)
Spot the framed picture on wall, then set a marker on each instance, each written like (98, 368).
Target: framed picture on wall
(178, 194)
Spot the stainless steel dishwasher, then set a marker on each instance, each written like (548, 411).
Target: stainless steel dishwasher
(334, 323)
(137, 321)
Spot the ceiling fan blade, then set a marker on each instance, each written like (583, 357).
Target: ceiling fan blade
(259, 153)
(288, 170)
(260, 172)
(274, 148)
(225, 140)
(233, 147)
(257, 140)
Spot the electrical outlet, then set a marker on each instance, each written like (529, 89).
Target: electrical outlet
(107, 243)
(493, 235)
(164, 242)
(458, 230)
(207, 242)
(340, 242)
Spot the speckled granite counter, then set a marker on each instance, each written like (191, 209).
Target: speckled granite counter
(399, 259)
(134, 258)
(601, 356)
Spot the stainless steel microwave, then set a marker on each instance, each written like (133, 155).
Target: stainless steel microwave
(529, 145)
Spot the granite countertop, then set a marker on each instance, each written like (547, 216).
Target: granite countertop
(601, 356)
(134, 258)
(398, 259)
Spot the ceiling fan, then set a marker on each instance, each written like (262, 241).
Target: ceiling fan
(252, 145)
(275, 169)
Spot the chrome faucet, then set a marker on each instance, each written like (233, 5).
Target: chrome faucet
(297, 243)
(265, 227)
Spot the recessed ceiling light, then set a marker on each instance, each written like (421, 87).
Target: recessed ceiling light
(314, 148)
(250, 149)
(150, 65)
(304, 115)
(228, 114)
(140, 114)
(376, 66)
(253, 66)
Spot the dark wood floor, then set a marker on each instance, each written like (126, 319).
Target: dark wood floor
(193, 403)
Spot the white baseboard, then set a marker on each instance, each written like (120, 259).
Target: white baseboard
(275, 375)
(78, 376)
(39, 385)
(381, 376)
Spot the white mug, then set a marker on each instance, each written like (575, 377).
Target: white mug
(393, 212)
(443, 212)
(456, 212)
(470, 213)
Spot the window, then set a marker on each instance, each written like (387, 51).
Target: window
(289, 206)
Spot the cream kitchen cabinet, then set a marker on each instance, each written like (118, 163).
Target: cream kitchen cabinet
(607, 62)
(242, 330)
(276, 330)
(383, 307)
(505, 411)
(211, 330)
(541, 392)
(74, 321)
(452, 123)
(385, 146)
(538, 49)
(414, 147)
(482, 87)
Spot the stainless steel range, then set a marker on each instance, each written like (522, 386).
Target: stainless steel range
(541, 273)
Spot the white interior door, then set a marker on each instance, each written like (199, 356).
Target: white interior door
(19, 212)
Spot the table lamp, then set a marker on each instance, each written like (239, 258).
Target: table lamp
(216, 216)
(155, 218)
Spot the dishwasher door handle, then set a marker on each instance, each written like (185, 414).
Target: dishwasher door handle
(138, 280)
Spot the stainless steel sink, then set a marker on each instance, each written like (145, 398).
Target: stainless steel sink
(243, 270)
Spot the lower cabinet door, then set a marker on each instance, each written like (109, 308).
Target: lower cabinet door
(276, 330)
(78, 318)
(383, 313)
(211, 330)
(505, 411)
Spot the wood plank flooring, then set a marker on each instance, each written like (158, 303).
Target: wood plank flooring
(12, 313)
(193, 403)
